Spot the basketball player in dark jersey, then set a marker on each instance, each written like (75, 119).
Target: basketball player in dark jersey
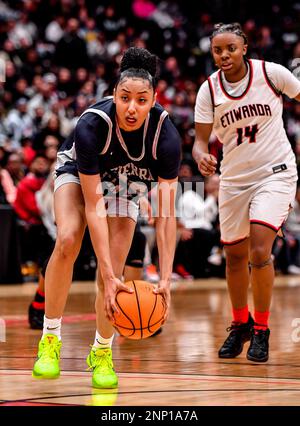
(122, 146)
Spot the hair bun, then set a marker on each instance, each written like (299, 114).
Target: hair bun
(139, 58)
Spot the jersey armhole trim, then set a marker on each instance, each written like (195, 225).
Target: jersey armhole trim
(268, 81)
(109, 122)
(163, 115)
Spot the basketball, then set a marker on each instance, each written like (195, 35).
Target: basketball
(141, 313)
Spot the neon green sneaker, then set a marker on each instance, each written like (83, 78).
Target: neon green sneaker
(47, 363)
(100, 361)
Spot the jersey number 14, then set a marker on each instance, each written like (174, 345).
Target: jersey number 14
(247, 132)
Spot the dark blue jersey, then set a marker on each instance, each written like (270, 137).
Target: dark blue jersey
(99, 146)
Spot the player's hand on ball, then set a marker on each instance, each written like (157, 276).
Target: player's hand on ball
(207, 164)
(163, 288)
(111, 287)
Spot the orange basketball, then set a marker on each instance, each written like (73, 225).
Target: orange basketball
(141, 312)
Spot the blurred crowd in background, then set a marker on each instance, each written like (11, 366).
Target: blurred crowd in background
(61, 56)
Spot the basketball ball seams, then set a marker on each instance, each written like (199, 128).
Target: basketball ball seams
(138, 329)
(139, 308)
(126, 316)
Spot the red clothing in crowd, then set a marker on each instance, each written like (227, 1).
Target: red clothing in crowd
(25, 204)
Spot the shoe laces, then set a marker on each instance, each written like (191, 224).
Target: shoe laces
(234, 326)
(100, 359)
(50, 350)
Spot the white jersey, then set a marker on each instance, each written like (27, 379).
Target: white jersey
(250, 125)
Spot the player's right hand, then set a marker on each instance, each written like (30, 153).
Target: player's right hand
(207, 164)
(111, 288)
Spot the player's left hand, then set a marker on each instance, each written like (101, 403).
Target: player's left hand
(163, 288)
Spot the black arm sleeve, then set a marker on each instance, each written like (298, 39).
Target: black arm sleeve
(90, 138)
(168, 151)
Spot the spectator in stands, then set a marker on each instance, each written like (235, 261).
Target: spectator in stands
(52, 127)
(45, 96)
(71, 51)
(55, 29)
(15, 167)
(18, 123)
(196, 217)
(25, 204)
(33, 236)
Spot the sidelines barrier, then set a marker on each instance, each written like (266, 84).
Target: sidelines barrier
(10, 252)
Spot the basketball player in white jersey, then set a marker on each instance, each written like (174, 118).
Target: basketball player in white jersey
(242, 104)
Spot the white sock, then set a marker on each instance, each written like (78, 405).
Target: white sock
(52, 326)
(101, 342)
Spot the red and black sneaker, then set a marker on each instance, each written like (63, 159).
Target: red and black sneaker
(259, 345)
(35, 317)
(240, 333)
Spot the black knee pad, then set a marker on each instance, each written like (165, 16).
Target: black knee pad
(136, 253)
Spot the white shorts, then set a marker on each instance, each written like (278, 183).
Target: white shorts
(267, 203)
(63, 179)
(115, 206)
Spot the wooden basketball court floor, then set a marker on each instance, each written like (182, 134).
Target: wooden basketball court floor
(179, 367)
